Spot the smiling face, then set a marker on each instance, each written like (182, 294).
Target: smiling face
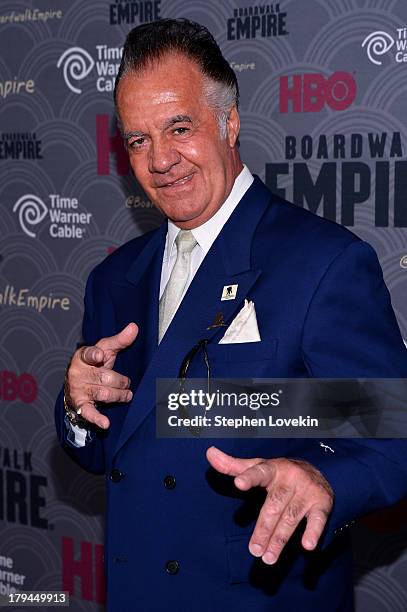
(175, 146)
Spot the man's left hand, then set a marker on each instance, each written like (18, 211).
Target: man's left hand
(295, 489)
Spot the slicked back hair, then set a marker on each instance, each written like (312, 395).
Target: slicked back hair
(150, 42)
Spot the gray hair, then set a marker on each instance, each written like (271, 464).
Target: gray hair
(221, 97)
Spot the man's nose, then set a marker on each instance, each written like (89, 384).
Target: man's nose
(162, 156)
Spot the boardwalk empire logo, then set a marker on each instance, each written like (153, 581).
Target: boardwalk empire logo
(127, 11)
(22, 498)
(263, 21)
(339, 174)
(20, 145)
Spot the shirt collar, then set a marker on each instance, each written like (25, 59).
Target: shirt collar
(206, 234)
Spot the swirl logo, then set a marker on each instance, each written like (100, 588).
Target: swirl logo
(31, 211)
(403, 262)
(377, 43)
(76, 64)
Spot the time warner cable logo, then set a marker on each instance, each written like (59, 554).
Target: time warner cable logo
(380, 42)
(64, 216)
(31, 211)
(76, 64)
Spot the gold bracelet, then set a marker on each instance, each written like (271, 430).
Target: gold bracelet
(73, 415)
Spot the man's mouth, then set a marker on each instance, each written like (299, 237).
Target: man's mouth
(180, 181)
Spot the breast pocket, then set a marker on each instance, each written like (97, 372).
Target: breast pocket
(246, 359)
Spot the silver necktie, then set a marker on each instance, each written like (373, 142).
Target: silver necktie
(171, 297)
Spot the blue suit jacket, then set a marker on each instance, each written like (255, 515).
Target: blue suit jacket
(323, 311)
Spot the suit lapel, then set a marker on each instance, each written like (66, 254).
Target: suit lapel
(228, 262)
(136, 299)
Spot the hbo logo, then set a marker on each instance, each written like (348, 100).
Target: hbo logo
(309, 93)
(14, 387)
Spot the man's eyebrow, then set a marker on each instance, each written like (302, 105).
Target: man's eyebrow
(171, 121)
(177, 119)
(127, 135)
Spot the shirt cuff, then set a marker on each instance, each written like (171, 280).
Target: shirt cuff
(77, 435)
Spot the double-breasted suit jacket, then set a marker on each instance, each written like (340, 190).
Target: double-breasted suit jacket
(181, 543)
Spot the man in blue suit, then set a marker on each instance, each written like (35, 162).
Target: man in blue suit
(181, 533)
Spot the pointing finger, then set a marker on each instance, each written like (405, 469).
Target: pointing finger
(91, 355)
(270, 514)
(285, 526)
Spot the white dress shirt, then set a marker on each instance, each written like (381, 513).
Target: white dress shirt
(205, 235)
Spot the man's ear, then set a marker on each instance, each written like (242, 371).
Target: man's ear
(233, 126)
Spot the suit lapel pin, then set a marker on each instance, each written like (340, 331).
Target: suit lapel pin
(218, 322)
(229, 292)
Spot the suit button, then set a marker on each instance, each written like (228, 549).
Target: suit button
(172, 567)
(116, 475)
(169, 482)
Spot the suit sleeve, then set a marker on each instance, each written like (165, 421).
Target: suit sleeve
(351, 332)
(91, 455)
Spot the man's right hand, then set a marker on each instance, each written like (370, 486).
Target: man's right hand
(90, 377)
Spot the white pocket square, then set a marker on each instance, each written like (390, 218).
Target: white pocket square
(244, 326)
